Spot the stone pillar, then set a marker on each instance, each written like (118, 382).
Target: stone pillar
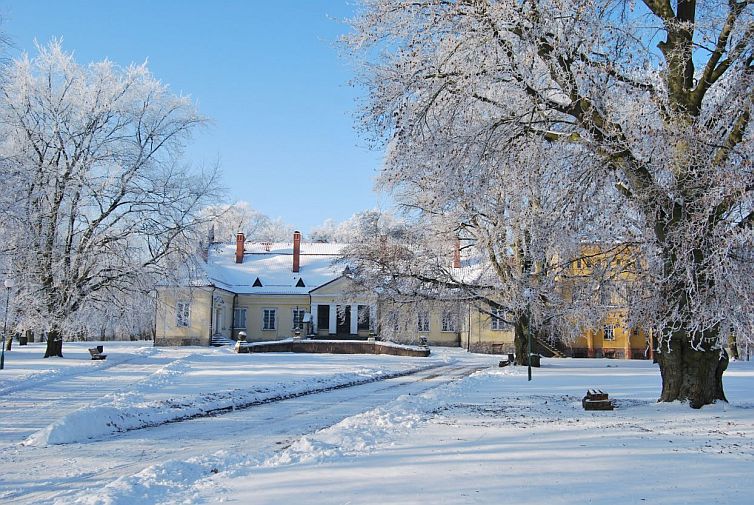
(354, 319)
(333, 319)
(315, 313)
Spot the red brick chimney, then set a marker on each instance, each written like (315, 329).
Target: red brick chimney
(240, 242)
(457, 254)
(296, 251)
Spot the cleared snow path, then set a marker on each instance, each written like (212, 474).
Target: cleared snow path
(61, 473)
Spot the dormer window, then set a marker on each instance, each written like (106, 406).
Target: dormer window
(257, 283)
(300, 283)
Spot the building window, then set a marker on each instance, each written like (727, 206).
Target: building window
(183, 314)
(609, 332)
(239, 318)
(269, 319)
(363, 314)
(323, 317)
(298, 319)
(606, 294)
(497, 319)
(392, 321)
(449, 321)
(422, 318)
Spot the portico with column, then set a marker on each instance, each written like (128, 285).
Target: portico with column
(334, 301)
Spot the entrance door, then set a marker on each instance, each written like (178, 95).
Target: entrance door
(344, 321)
(218, 320)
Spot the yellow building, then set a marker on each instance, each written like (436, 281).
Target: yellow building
(274, 291)
(485, 331)
(270, 291)
(616, 265)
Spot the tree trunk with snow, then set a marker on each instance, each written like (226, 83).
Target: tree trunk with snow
(521, 337)
(54, 346)
(691, 374)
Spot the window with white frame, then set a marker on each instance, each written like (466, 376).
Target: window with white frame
(239, 318)
(364, 317)
(269, 319)
(298, 318)
(606, 294)
(183, 314)
(392, 321)
(449, 320)
(422, 319)
(497, 321)
(609, 332)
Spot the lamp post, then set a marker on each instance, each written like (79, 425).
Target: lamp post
(528, 296)
(9, 283)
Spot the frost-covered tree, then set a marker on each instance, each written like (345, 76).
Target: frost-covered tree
(96, 201)
(648, 105)
(224, 221)
(358, 227)
(516, 244)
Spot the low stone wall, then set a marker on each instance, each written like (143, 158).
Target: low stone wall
(333, 347)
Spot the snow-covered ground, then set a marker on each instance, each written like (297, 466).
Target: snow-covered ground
(199, 425)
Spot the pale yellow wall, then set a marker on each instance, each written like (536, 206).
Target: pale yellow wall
(477, 334)
(408, 323)
(167, 332)
(335, 288)
(627, 343)
(284, 305)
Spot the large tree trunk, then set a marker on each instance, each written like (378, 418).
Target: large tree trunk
(9, 343)
(521, 339)
(54, 344)
(691, 375)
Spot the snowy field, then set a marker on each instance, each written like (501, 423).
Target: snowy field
(205, 425)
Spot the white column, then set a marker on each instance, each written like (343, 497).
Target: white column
(314, 313)
(333, 319)
(354, 319)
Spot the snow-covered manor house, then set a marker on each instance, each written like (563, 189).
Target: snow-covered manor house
(274, 291)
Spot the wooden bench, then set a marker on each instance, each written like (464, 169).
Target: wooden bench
(596, 399)
(96, 354)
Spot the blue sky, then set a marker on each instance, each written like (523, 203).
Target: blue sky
(268, 74)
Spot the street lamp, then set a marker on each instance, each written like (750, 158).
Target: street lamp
(528, 296)
(9, 283)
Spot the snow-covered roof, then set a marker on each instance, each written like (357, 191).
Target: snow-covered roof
(272, 265)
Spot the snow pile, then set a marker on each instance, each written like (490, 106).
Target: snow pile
(128, 411)
(364, 433)
(359, 434)
(157, 482)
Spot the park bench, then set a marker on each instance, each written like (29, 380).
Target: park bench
(97, 354)
(509, 361)
(596, 399)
